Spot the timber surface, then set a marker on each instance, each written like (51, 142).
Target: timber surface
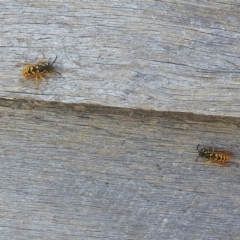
(155, 55)
(107, 150)
(95, 173)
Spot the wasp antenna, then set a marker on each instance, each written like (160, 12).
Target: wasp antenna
(198, 151)
(56, 72)
(198, 146)
(54, 60)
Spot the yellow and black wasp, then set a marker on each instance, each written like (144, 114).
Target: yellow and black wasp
(220, 156)
(39, 70)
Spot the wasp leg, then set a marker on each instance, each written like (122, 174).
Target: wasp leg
(36, 63)
(207, 162)
(44, 79)
(36, 81)
(26, 79)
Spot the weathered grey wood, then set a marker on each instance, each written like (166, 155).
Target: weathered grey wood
(99, 173)
(89, 170)
(156, 55)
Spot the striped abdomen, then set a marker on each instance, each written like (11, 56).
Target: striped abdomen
(219, 157)
(30, 71)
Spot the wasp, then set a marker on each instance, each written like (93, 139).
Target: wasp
(220, 156)
(39, 70)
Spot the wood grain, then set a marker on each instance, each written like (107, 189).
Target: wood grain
(155, 55)
(105, 173)
(107, 150)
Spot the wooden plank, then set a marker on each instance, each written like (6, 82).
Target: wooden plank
(179, 56)
(105, 173)
(87, 171)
